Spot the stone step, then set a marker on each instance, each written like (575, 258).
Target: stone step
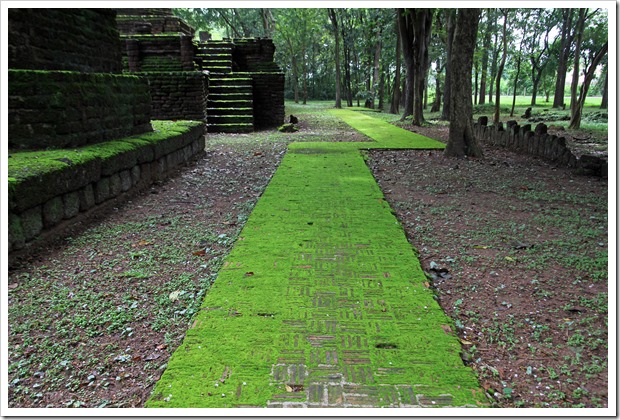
(230, 128)
(230, 119)
(230, 80)
(230, 89)
(236, 103)
(232, 96)
(217, 69)
(214, 50)
(241, 112)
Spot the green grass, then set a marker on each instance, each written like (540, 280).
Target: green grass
(321, 250)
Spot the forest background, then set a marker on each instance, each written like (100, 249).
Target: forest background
(554, 58)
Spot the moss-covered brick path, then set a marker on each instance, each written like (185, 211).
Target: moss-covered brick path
(322, 301)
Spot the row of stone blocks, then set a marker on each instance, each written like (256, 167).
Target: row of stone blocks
(121, 174)
(537, 143)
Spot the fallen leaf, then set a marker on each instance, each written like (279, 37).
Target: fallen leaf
(162, 346)
(510, 259)
(174, 295)
(142, 243)
(482, 246)
(466, 343)
(200, 253)
(249, 274)
(446, 329)
(289, 389)
(13, 286)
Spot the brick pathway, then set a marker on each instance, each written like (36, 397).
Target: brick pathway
(322, 303)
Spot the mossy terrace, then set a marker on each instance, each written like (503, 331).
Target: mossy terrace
(47, 186)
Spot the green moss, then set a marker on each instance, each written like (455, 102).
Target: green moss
(386, 134)
(23, 165)
(322, 264)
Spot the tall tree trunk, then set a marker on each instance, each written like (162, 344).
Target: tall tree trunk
(376, 65)
(604, 95)
(451, 26)
(500, 70)
(575, 121)
(396, 91)
(485, 61)
(424, 25)
(346, 49)
(334, 20)
(437, 102)
(304, 70)
(476, 74)
(581, 22)
(565, 47)
(268, 22)
(461, 140)
(405, 31)
(381, 91)
(514, 87)
(494, 17)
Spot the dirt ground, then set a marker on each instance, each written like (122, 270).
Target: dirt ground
(515, 248)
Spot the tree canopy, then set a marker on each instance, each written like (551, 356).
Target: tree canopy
(399, 59)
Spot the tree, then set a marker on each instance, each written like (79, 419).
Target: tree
(565, 48)
(484, 65)
(524, 19)
(334, 19)
(415, 30)
(396, 93)
(604, 99)
(450, 25)
(587, 47)
(461, 140)
(537, 46)
(500, 69)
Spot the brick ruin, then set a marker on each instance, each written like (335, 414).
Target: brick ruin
(80, 134)
(232, 84)
(538, 143)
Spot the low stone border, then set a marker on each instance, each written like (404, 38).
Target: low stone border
(48, 187)
(537, 143)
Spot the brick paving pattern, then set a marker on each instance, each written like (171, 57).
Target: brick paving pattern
(324, 272)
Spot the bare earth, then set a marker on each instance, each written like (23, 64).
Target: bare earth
(515, 248)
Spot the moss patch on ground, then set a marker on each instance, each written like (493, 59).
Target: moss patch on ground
(322, 302)
(387, 135)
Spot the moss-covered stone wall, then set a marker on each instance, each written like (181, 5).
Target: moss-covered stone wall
(254, 55)
(151, 24)
(49, 187)
(268, 97)
(178, 95)
(83, 40)
(163, 52)
(56, 109)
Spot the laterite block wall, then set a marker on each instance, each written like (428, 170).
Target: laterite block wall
(59, 109)
(83, 40)
(537, 143)
(47, 188)
(178, 95)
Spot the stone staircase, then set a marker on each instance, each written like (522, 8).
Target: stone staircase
(229, 103)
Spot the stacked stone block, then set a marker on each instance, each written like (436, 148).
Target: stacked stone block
(41, 203)
(178, 96)
(63, 109)
(84, 40)
(537, 143)
(73, 110)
